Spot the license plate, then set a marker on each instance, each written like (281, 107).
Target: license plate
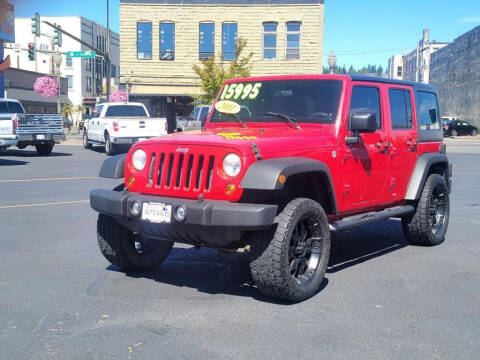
(157, 212)
(40, 137)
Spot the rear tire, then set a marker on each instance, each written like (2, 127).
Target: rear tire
(453, 133)
(86, 143)
(109, 147)
(289, 263)
(44, 149)
(120, 246)
(428, 224)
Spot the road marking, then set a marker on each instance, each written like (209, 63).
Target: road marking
(50, 179)
(43, 204)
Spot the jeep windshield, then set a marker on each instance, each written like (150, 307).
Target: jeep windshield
(306, 101)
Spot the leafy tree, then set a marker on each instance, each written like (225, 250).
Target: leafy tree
(213, 73)
(380, 70)
(68, 110)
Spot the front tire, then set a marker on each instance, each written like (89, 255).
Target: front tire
(474, 132)
(127, 250)
(109, 146)
(86, 143)
(44, 149)
(291, 264)
(428, 224)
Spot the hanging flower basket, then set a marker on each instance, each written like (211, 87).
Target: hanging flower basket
(118, 96)
(46, 86)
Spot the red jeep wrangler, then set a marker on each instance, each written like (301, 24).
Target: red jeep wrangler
(282, 162)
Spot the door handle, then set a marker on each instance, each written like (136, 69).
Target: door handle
(412, 144)
(383, 146)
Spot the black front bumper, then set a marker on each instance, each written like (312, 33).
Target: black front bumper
(208, 222)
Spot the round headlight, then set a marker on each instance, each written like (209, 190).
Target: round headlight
(232, 165)
(139, 159)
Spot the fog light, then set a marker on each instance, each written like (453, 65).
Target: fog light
(135, 208)
(180, 213)
(230, 189)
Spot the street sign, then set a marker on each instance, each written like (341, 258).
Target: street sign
(81, 54)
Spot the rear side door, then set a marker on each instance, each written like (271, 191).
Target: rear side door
(366, 164)
(403, 140)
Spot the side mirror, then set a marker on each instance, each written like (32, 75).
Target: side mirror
(361, 122)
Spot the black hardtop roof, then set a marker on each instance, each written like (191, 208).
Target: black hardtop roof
(417, 86)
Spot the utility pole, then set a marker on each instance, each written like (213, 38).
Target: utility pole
(108, 51)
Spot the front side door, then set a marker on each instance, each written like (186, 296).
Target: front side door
(403, 140)
(365, 164)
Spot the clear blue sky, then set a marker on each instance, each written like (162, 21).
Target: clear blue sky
(360, 32)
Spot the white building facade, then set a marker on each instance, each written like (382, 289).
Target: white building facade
(395, 67)
(86, 77)
(416, 65)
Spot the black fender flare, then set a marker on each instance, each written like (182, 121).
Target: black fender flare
(113, 167)
(264, 174)
(420, 173)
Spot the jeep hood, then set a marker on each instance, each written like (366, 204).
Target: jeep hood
(268, 139)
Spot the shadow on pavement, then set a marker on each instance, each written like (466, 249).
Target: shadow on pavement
(7, 162)
(29, 153)
(213, 272)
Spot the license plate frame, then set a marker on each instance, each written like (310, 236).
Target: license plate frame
(156, 212)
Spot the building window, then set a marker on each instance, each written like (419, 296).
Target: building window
(88, 83)
(69, 62)
(270, 40)
(229, 41)
(293, 40)
(70, 81)
(206, 39)
(167, 41)
(399, 71)
(113, 71)
(88, 64)
(144, 40)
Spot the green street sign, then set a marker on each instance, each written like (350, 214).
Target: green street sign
(81, 54)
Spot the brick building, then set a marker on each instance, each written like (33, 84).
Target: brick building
(160, 40)
(455, 71)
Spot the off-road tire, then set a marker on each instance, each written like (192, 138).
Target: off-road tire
(109, 146)
(117, 245)
(453, 133)
(474, 132)
(86, 144)
(417, 227)
(44, 149)
(269, 262)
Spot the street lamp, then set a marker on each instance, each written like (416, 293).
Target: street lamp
(332, 61)
(57, 60)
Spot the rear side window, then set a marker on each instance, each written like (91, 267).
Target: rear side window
(427, 111)
(366, 99)
(400, 108)
(3, 107)
(15, 107)
(125, 110)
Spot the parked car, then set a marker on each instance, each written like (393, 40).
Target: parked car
(458, 127)
(121, 124)
(20, 129)
(195, 120)
(314, 154)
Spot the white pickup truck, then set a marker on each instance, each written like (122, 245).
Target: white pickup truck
(121, 124)
(20, 129)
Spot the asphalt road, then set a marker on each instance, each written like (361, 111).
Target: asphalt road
(383, 299)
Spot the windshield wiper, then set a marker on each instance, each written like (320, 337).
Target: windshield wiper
(236, 117)
(284, 117)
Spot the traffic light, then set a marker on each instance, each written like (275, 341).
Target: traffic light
(36, 24)
(58, 35)
(31, 51)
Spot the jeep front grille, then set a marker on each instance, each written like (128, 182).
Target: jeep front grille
(180, 171)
